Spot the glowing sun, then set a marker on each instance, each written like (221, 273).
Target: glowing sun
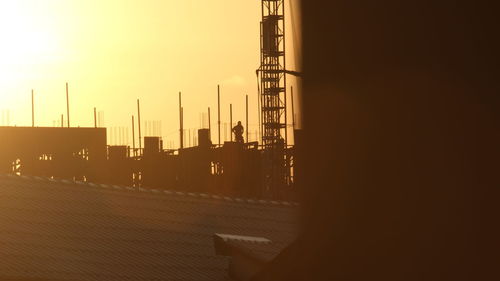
(27, 41)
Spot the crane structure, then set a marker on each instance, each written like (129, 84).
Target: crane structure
(272, 86)
(272, 72)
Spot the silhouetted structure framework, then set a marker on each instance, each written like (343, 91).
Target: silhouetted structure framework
(273, 90)
(232, 169)
(235, 168)
(78, 153)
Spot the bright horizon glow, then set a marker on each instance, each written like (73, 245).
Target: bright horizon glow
(27, 43)
(113, 52)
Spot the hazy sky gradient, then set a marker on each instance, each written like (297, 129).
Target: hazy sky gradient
(113, 52)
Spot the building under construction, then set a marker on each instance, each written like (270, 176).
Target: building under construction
(81, 154)
(240, 168)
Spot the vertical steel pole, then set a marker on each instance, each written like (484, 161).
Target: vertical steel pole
(259, 112)
(139, 125)
(209, 125)
(231, 121)
(182, 127)
(286, 121)
(185, 133)
(246, 116)
(95, 118)
(181, 135)
(67, 102)
(293, 109)
(133, 136)
(218, 111)
(284, 67)
(32, 108)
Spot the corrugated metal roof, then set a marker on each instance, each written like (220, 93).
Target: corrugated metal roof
(51, 229)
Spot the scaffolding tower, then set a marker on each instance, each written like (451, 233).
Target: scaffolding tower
(273, 92)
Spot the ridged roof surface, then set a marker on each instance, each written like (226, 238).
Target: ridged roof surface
(62, 230)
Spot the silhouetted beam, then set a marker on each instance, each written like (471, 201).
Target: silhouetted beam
(183, 132)
(218, 111)
(286, 120)
(67, 102)
(293, 109)
(209, 124)
(181, 129)
(290, 72)
(231, 121)
(133, 136)
(32, 108)
(259, 112)
(139, 124)
(294, 73)
(246, 116)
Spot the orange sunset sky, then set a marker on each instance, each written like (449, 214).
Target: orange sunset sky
(112, 52)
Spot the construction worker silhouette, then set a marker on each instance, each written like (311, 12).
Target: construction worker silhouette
(238, 132)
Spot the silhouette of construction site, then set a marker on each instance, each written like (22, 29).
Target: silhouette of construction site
(82, 154)
(235, 167)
